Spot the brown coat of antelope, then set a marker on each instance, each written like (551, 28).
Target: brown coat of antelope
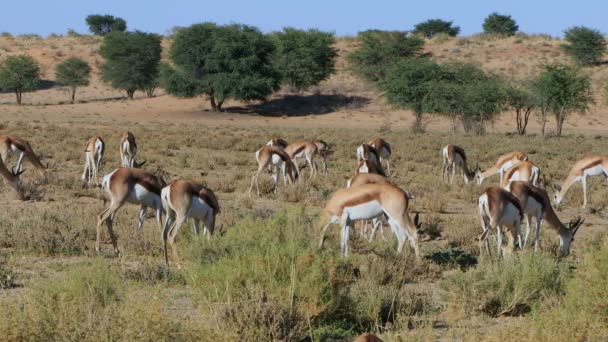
(276, 157)
(12, 177)
(14, 145)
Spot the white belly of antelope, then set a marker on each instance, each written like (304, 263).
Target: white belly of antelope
(141, 195)
(364, 211)
(199, 209)
(595, 171)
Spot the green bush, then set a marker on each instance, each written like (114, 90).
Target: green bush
(500, 24)
(19, 74)
(104, 24)
(73, 73)
(586, 46)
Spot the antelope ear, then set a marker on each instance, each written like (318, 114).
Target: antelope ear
(18, 173)
(557, 187)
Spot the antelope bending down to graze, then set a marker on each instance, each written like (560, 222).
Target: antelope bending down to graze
(93, 155)
(369, 201)
(535, 203)
(278, 159)
(303, 149)
(455, 156)
(586, 167)
(278, 142)
(324, 151)
(384, 151)
(503, 163)
(134, 186)
(499, 209)
(128, 151)
(183, 199)
(524, 171)
(12, 177)
(14, 145)
(367, 166)
(368, 152)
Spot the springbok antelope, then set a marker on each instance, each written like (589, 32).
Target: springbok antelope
(134, 186)
(12, 177)
(498, 209)
(370, 201)
(535, 203)
(275, 156)
(503, 163)
(93, 155)
(14, 145)
(455, 156)
(324, 151)
(128, 151)
(183, 199)
(368, 152)
(367, 166)
(303, 149)
(586, 167)
(524, 171)
(278, 142)
(384, 151)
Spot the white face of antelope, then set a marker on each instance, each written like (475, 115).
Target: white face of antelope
(557, 198)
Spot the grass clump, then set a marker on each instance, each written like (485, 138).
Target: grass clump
(504, 287)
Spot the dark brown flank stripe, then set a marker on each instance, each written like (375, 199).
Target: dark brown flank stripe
(365, 198)
(205, 195)
(592, 164)
(299, 149)
(150, 183)
(18, 144)
(460, 151)
(538, 197)
(281, 154)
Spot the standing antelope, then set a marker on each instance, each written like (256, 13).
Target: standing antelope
(384, 151)
(370, 201)
(134, 186)
(128, 151)
(324, 151)
(586, 167)
(303, 149)
(183, 199)
(12, 177)
(498, 209)
(272, 155)
(455, 156)
(503, 163)
(524, 171)
(14, 145)
(535, 203)
(93, 155)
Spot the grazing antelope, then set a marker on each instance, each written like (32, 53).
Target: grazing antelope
(128, 151)
(93, 155)
(134, 186)
(275, 156)
(14, 145)
(183, 199)
(12, 177)
(524, 171)
(586, 167)
(498, 209)
(370, 201)
(503, 163)
(384, 151)
(278, 142)
(324, 151)
(368, 152)
(455, 156)
(367, 166)
(535, 203)
(303, 149)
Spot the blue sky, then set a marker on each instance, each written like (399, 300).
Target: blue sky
(342, 17)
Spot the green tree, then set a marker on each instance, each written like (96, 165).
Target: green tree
(521, 100)
(432, 27)
(379, 50)
(223, 62)
(73, 73)
(586, 46)
(563, 90)
(304, 58)
(483, 101)
(500, 24)
(409, 84)
(19, 74)
(132, 60)
(103, 24)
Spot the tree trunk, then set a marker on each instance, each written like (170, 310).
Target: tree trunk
(18, 94)
(213, 104)
(73, 94)
(543, 118)
(219, 105)
(453, 123)
(560, 118)
(130, 93)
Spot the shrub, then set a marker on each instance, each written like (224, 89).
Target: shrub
(586, 46)
(103, 24)
(19, 74)
(500, 24)
(432, 27)
(73, 73)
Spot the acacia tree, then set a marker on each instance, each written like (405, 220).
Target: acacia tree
(103, 24)
(19, 74)
(500, 24)
(223, 62)
(73, 73)
(586, 46)
(379, 50)
(483, 101)
(563, 90)
(432, 27)
(522, 101)
(132, 60)
(304, 58)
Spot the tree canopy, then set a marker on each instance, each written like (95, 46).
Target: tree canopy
(432, 27)
(103, 24)
(132, 60)
(500, 24)
(73, 73)
(586, 46)
(19, 74)
(223, 62)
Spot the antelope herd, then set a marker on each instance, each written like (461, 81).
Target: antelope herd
(369, 195)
